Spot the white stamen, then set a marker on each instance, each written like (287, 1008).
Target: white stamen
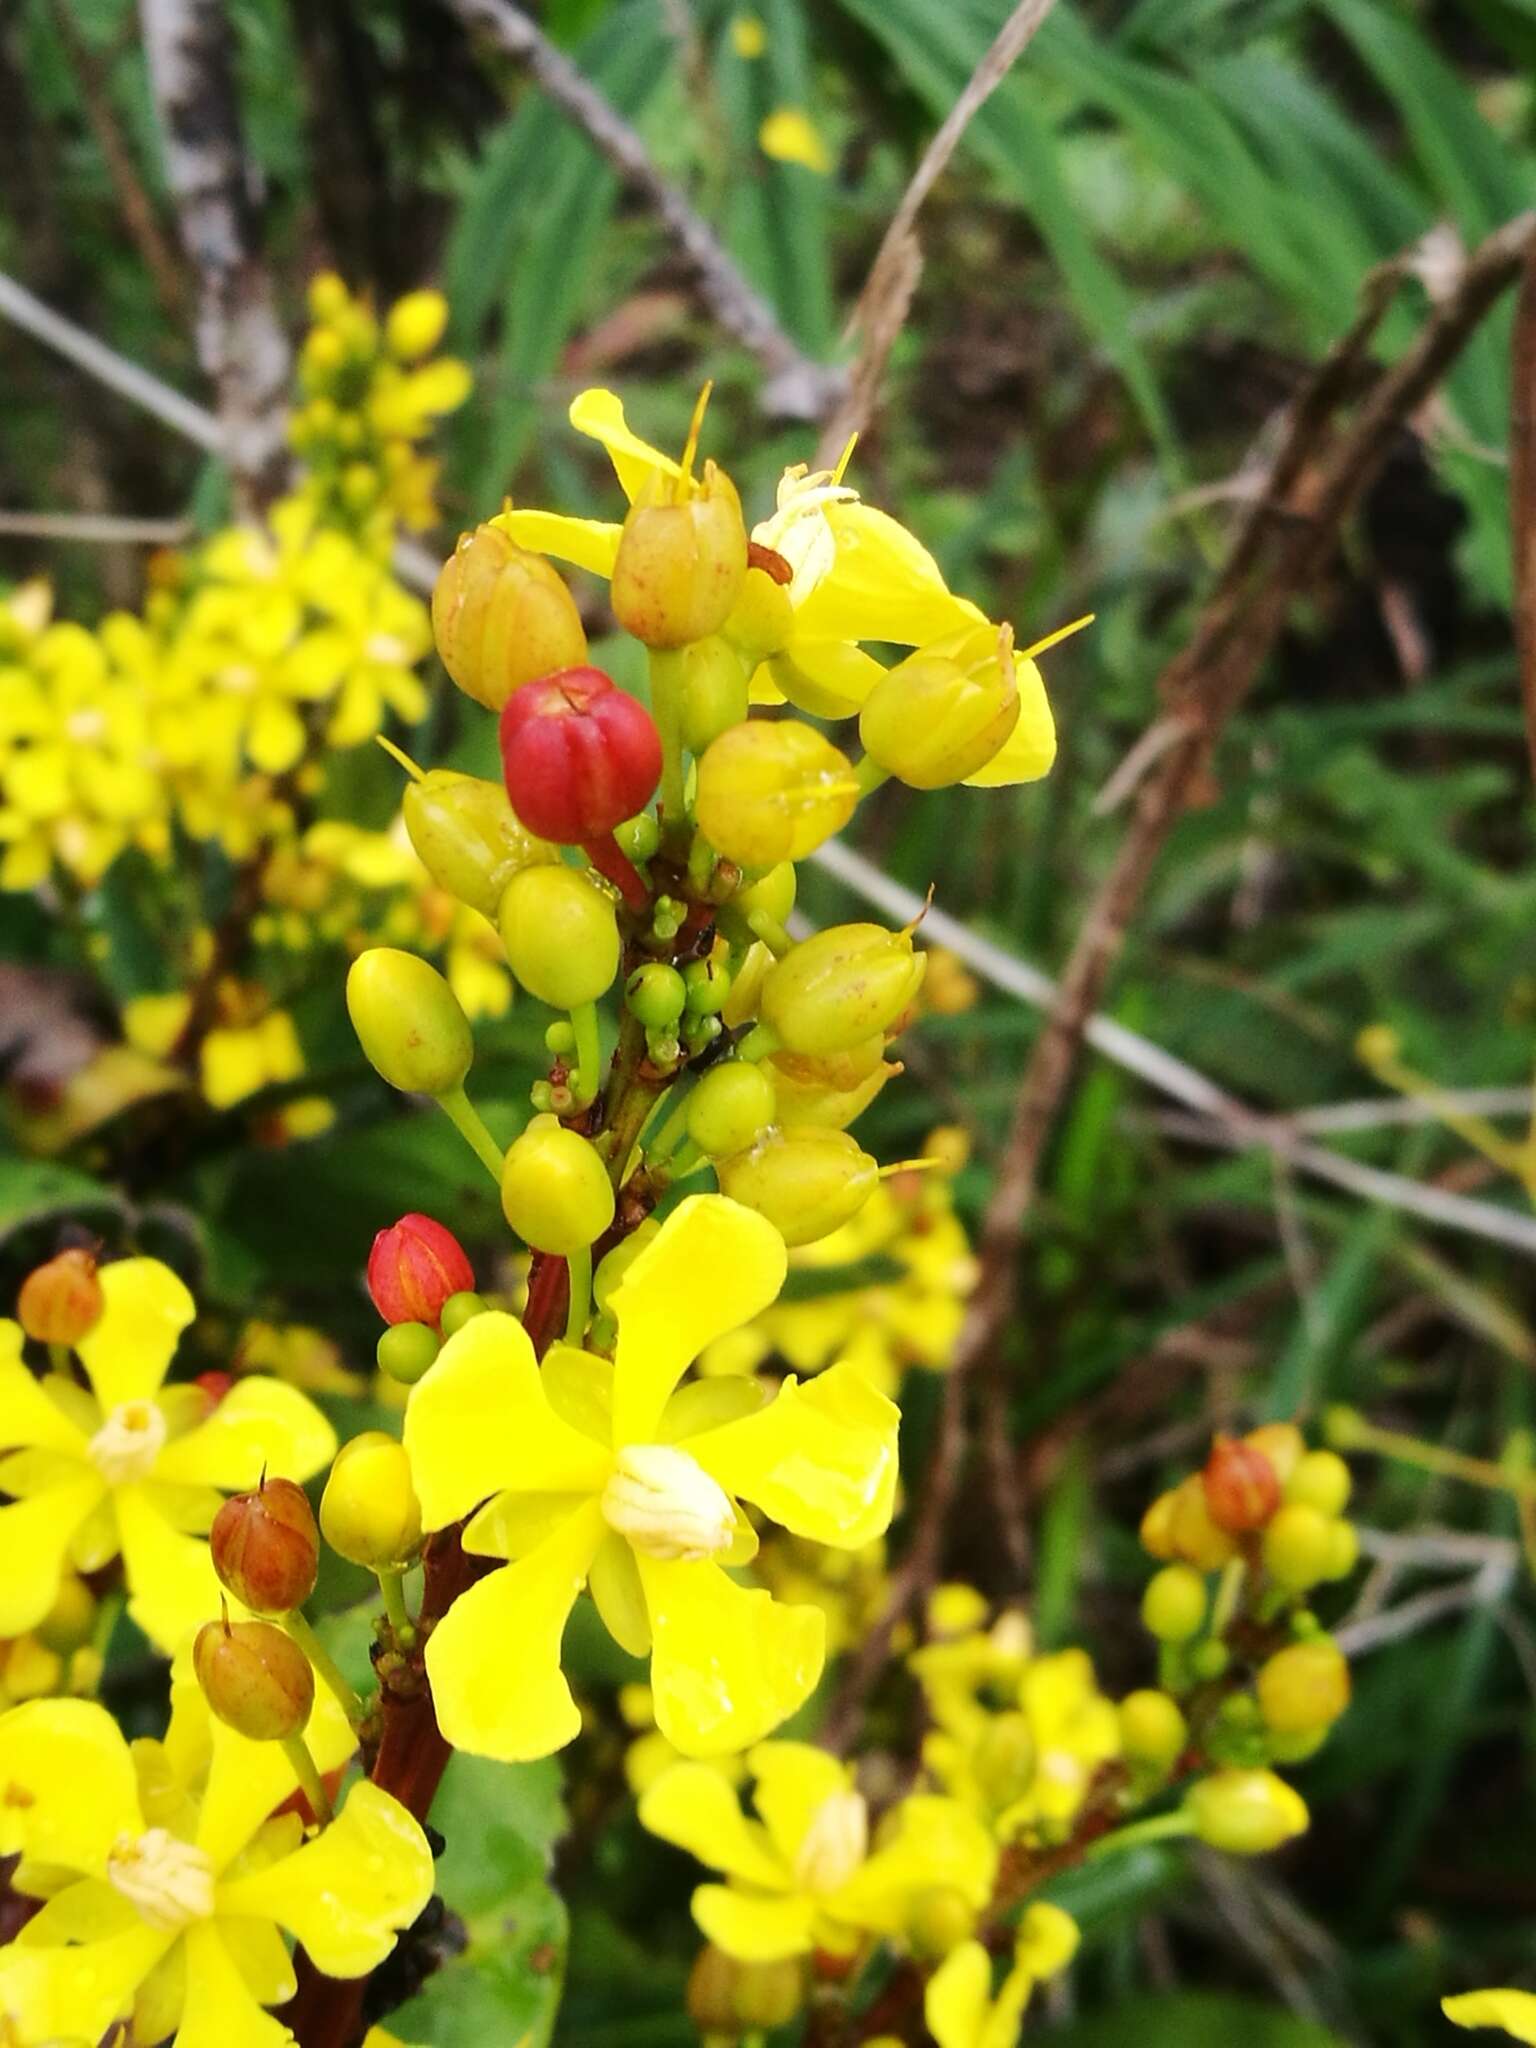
(667, 1505)
(835, 1844)
(128, 1442)
(168, 1882)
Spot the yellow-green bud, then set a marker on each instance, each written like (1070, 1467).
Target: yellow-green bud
(69, 1621)
(1298, 1546)
(1152, 1730)
(1321, 1480)
(555, 1190)
(680, 567)
(1304, 1686)
(415, 325)
(502, 616)
(406, 1350)
(837, 989)
(771, 896)
(763, 617)
(369, 1512)
(801, 1099)
(561, 936)
(327, 296)
(1174, 1604)
(940, 1920)
(728, 1107)
(730, 1998)
(255, 1678)
(772, 791)
(714, 691)
(1343, 1550)
(468, 837)
(806, 1182)
(409, 1022)
(943, 713)
(1246, 1813)
(1282, 1443)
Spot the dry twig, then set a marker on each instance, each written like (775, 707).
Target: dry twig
(1522, 489)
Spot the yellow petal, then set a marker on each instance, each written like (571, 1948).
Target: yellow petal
(883, 585)
(820, 1460)
(600, 415)
(247, 1781)
(260, 1425)
(346, 1894)
(27, 1416)
(276, 737)
(219, 2011)
(510, 1525)
(261, 1957)
(145, 1309)
(591, 544)
(35, 1536)
(494, 1658)
(729, 1662)
(752, 1926)
(711, 1267)
(709, 1404)
(959, 1994)
(480, 1422)
(72, 1995)
(692, 1806)
(934, 1842)
(619, 1596)
(794, 1780)
(172, 1586)
(1030, 748)
(790, 137)
(69, 1788)
(580, 1390)
(827, 678)
(1514, 2011)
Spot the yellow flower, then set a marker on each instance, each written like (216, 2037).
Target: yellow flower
(790, 136)
(958, 2005)
(1514, 2011)
(131, 1465)
(749, 38)
(650, 1753)
(168, 1908)
(237, 1060)
(614, 1477)
(802, 1877)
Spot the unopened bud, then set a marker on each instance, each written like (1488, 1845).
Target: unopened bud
(1304, 1686)
(1321, 1480)
(369, 1512)
(561, 936)
(680, 567)
(730, 1998)
(409, 1022)
(1196, 1537)
(763, 616)
(503, 615)
(1241, 1487)
(1152, 1729)
(714, 691)
(943, 713)
(468, 837)
(772, 791)
(807, 1182)
(656, 994)
(839, 988)
(255, 1678)
(407, 1350)
(1298, 1547)
(415, 325)
(1282, 1443)
(1173, 1606)
(729, 1106)
(70, 1620)
(579, 756)
(940, 1920)
(414, 1266)
(60, 1301)
(800, 1101)
(555, 1190)
(1246, 1813)
(266, 1548)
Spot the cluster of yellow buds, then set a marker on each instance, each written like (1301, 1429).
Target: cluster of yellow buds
(373, 390)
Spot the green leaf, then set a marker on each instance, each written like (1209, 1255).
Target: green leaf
(1195, 2019)
(33, 1189)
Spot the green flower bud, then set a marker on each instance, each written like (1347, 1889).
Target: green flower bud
(460, 1309)
(1210, 1659)
(807, 1182)
(555, 1190)
(503, 616)
(1246, 1813)
(406, 1349)
(943, 713)
(772, 791)
(1304, 1686)
(1152, 1730)
(840, 987)
(468, 837)
(561, 936)
(1173, 1606)
(709, 985)
(369, 1512)
(728, 1108)
(680, 567)
(638, 837)
(1321, 1480)
(714, 691)
(255, 1678)
(1298, 1544)
(655, 994)
(409, 1022)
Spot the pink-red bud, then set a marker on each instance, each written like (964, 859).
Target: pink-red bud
(579, 755)
(60, 1301)
(413, 1268)
(266, 1547)
(1242, 1488)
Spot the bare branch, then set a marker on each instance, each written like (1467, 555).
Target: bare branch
(798, 387)
(106, 527)
(240, 340)
(1522, 490)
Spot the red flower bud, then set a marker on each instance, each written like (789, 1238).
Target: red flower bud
(60, 1301)
(413, 1268)
(579, 755)
(1242, 1489)
(266, 1547)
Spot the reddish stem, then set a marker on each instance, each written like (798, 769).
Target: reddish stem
(610, 859)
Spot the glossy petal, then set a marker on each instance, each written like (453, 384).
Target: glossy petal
(74, 1995)
(755, 1927)
(1030, 748)
(261, 1424)
(69, 1788)
(1514, 2011)
(494, 1658)
(693, 1807)
(145, 1310)
(959, 1996)
(513, 1524)
(883, 585)
(600, 415)
(219, 2011)
(709, 1404)
(480, 1422)
(246, 1781)
(261, 1956)
(35, 1536)
(827, 678)
(820, 1460)
(27, 1416)
(619, 1596)
(346, 1894)
(794, 1779)
(591, 544)
(711, 1267)
(90, 1910)
(935, 1842)
(172, 1586)
(729, 1663)
(580, 1389)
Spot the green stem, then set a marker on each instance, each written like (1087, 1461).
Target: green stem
(59, 1358)
(579, 1266)
(466, 1120)
(761, 1040)
(107, 1615)
(1161, 1827)
(670, 1135)
(589, 1053)
(302, 1633)
(688, 1158)
(770, 931)
(311, 1784)
(869, 775)
(668, 675)
(1229, 1591)
(392, 1586)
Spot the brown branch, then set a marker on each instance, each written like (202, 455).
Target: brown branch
(1522, 490)
(797, 387)
(240, 341)
(885, 301)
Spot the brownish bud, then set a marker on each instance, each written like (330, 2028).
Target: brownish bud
(256, 1679)
(1242, 1488)
(266, 1547)
(60, 1301)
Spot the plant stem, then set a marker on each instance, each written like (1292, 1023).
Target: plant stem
(467, 1121)
(869, 776)
(579, 1266)
(1161, 1827)
(589, 1052)
(667, 679)
(392, 1586)
(304, 1635)
(670, 1135)
(59, 1358)
(311, 1784)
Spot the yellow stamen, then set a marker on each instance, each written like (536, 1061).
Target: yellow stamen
(1054, 639)
(845, 458)
(691, 445)
(398, 754)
